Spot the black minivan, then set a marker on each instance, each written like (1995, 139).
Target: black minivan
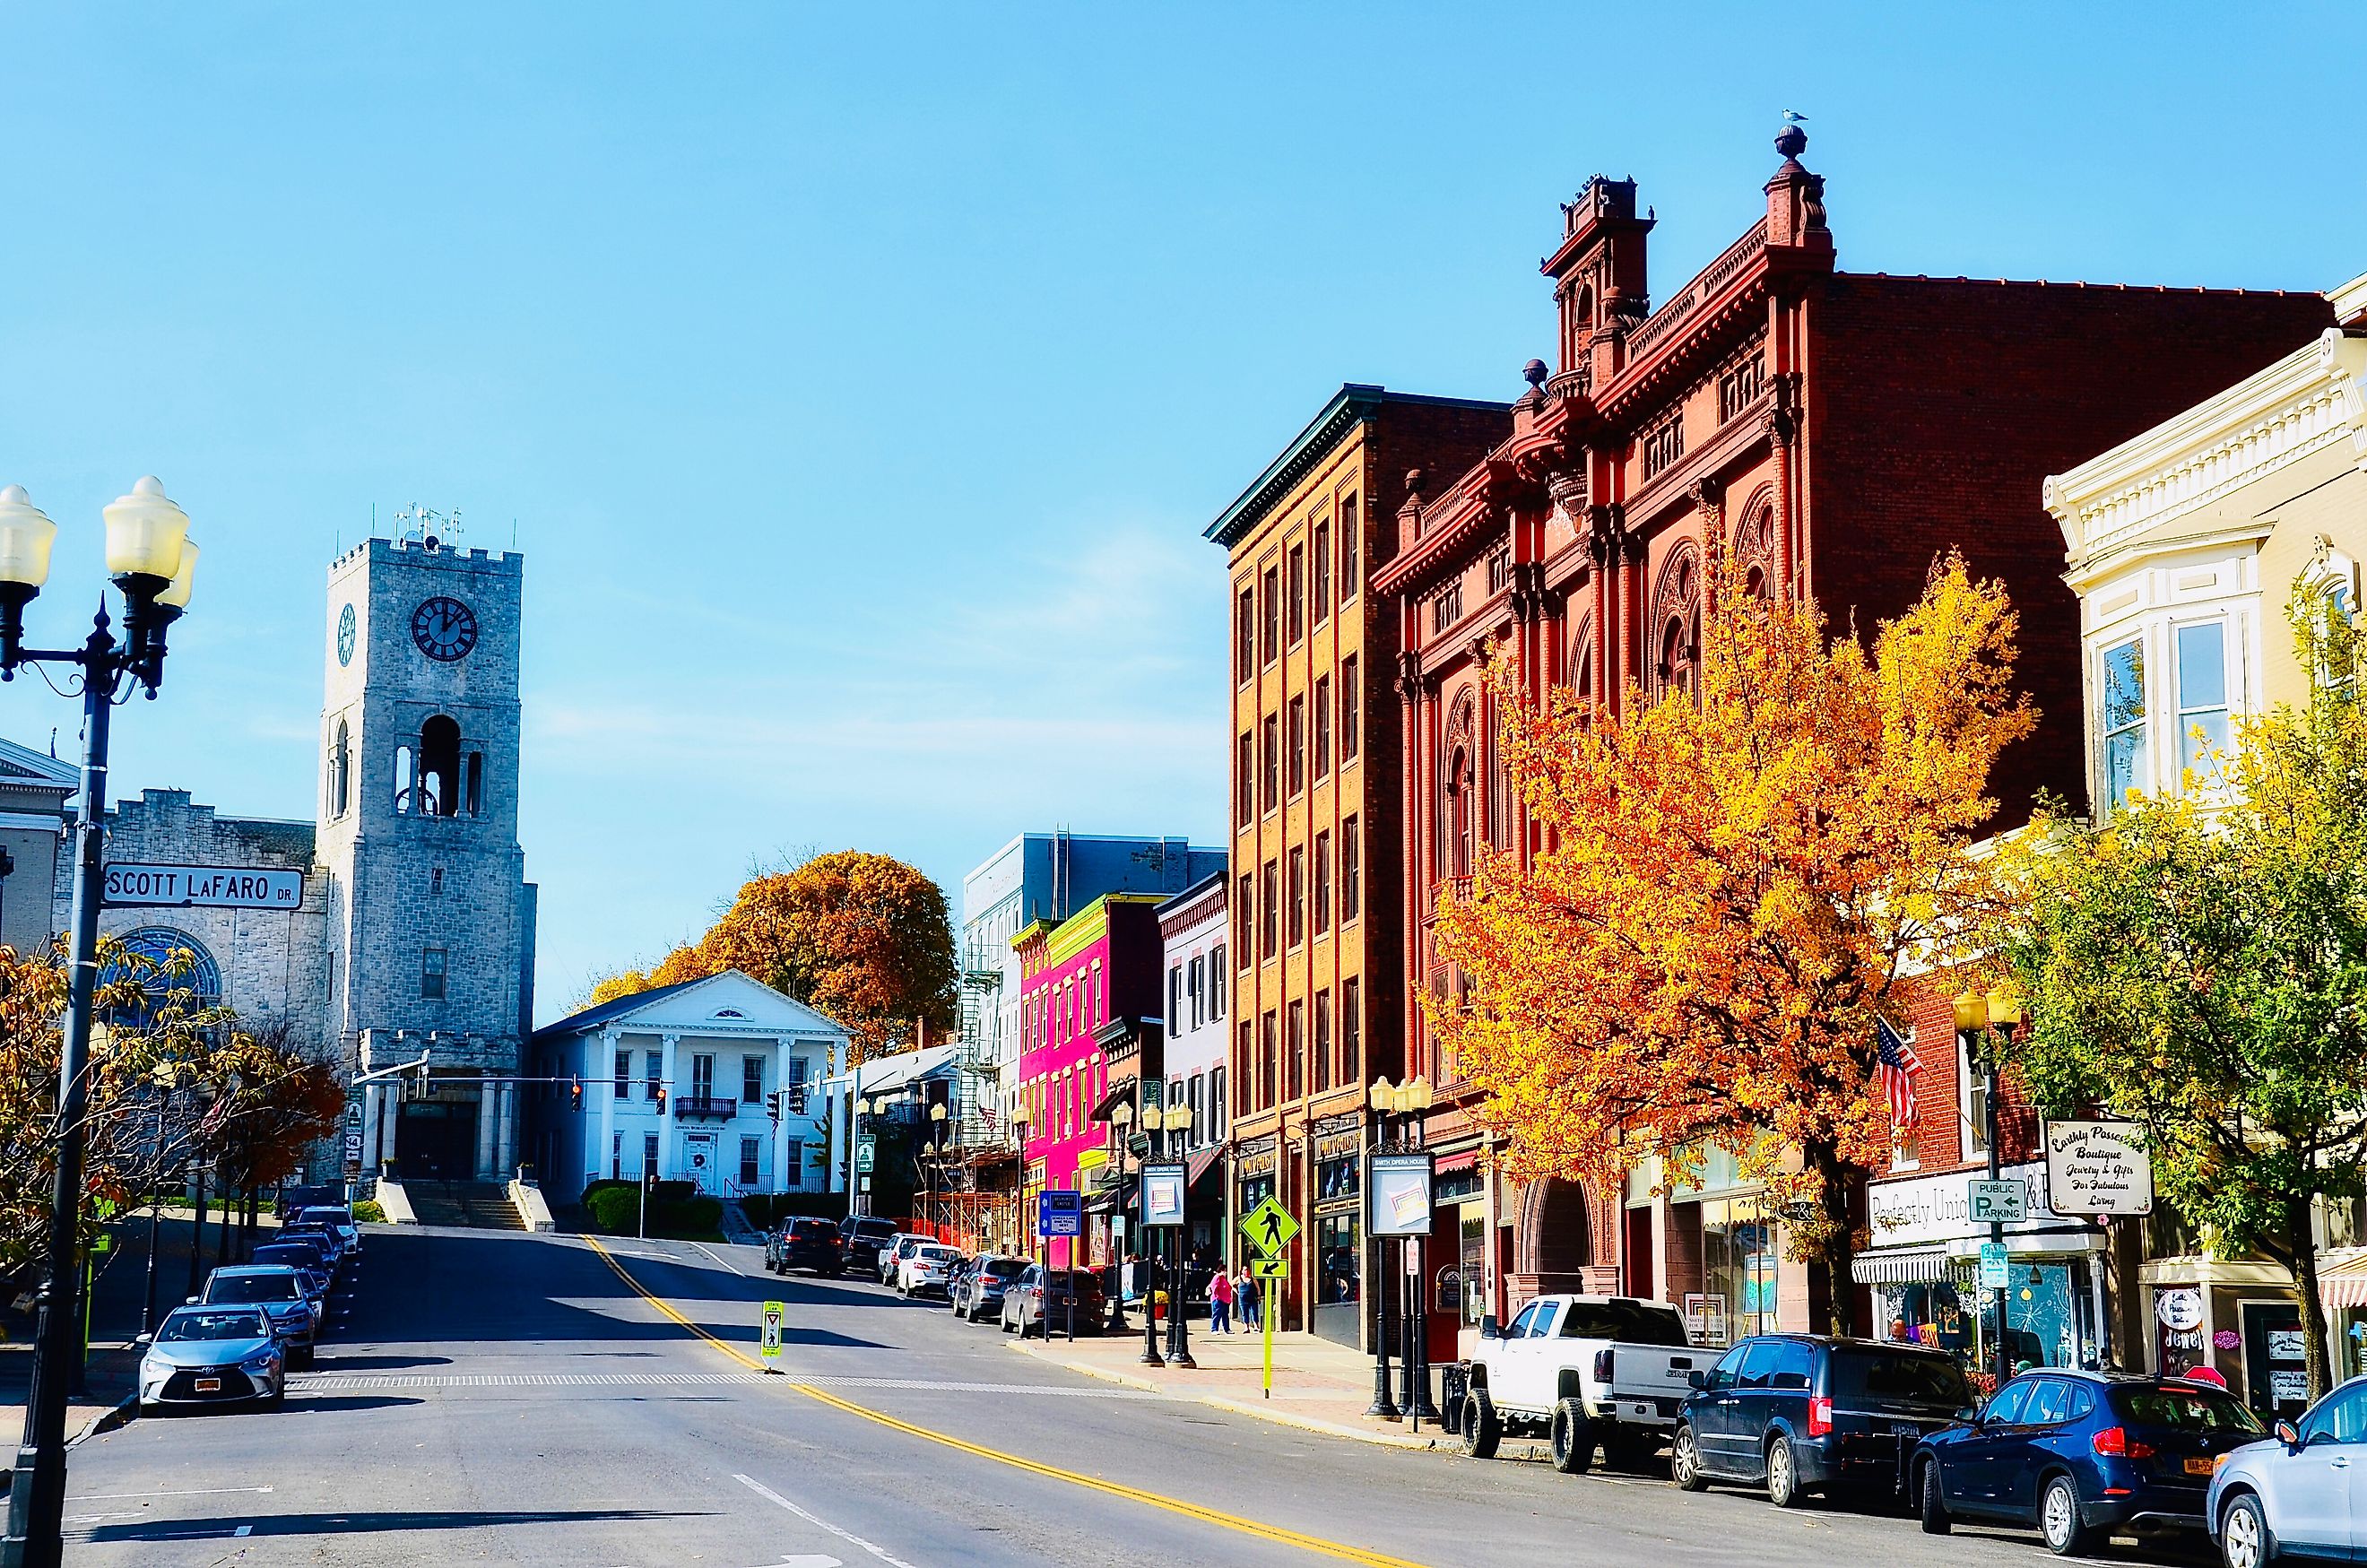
(1799, 1413)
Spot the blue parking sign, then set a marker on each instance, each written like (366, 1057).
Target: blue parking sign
(1059, 1211)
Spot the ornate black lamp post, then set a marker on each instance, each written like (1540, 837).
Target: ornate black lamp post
(1175, 1121)
(1991, 1022)
(152, 562)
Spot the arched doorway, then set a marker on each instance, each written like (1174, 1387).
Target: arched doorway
(1554, 1247)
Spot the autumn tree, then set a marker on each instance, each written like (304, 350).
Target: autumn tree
(2197, 964)
(864, 939)
(1731, 882)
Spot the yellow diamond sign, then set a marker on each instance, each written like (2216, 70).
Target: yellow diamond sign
(1269, 1227)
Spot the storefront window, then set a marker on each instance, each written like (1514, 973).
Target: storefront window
(1935, 1313)
(1739, 1271)
(1336, 1250)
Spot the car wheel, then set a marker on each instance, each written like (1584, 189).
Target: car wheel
(1783, 1473)
(2244, 1538)
(1572, 1438)
(1483, 1429)
(1933, 1505)
(278, 1400)
(1684, 1461)
(2068, 1535)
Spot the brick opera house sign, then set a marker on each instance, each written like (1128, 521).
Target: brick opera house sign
(132, 886)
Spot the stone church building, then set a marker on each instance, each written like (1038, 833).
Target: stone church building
(397, 928)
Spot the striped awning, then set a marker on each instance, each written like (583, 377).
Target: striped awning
(2344, 1285)
(1901, 1266)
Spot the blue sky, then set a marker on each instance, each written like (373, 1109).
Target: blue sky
(859, 379)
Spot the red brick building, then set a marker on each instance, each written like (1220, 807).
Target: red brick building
(1839, 431)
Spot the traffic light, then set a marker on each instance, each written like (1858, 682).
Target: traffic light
(773, 1107)
(576, 1094)
(662, 1099)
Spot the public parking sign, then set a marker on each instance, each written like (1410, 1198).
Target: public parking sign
(1059, 1211)
(1998, 1203)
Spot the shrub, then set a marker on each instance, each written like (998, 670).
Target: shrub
(368, 1212)
(617, 1209)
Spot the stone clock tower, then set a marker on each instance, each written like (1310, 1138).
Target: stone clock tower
(430, 920)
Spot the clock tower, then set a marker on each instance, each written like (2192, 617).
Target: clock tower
(430, 920)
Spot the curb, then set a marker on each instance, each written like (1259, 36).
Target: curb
(1258, 1409)
(1087, 1368)
(105, 1421)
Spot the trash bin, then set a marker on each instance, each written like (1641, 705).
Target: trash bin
(1454, 1383)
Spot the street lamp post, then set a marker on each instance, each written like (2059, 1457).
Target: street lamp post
(1175, 1120)
(152, 562)
(1121, 1120)
(1991, 1020)
(1020, 1117)
(1382, 1097)
(936, 1163)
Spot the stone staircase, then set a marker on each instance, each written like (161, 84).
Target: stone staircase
(466, 1205)
(735, 1225)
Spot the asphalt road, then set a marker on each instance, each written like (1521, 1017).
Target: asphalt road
(502, 1398)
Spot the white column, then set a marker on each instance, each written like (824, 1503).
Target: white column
(784, 1178)
(606, 1087)
(505, 1133)
(370, 1092)
(488, 1110)
(666, 1118)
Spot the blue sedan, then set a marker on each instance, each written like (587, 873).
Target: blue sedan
(2082, 1455)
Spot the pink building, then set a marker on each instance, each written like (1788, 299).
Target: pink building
(1090, 1017)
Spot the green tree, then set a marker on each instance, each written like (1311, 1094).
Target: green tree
(2197, 964)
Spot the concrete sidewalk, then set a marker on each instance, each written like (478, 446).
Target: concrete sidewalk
(1317, 1385)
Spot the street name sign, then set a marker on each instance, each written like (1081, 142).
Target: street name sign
(1996, 1202)
(1059, 1211)
(2097, 1167)
(768, 1343)
(1269, 1227)
(135, 884)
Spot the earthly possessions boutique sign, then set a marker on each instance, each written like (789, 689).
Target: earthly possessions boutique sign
(2099, 1167)
(132, 886)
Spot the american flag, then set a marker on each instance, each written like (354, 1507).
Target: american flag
(1894, 1066)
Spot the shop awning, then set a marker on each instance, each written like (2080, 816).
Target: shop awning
(1901, 1266)
(1462, 1159)
(1197, 1165)
(2344, 1285)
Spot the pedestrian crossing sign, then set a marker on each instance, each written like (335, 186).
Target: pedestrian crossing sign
(1269, 1227)
(768, 1343)
(1269, 1267)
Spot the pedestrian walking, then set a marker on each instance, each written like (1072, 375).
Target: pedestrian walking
(1220, 1304)
(1245, 1295)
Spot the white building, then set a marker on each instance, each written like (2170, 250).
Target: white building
(683, 1081)
(1193, 933)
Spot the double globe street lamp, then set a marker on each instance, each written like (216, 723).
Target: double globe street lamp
(1407, 1102)
(1987, 1023)
(152, 561)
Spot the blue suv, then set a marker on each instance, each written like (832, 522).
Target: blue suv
(1804, 1413)
(2081, 1455)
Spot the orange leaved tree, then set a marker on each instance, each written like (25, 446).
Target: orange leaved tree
(1730, 884)
(863, 937)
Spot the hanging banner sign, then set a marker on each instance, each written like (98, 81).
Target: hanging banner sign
(2099, 1167)
(1398, 1186)
(131, 885)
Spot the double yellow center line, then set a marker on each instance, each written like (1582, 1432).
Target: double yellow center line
(1223, 1521)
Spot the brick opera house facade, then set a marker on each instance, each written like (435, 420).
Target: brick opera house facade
(1837, 431)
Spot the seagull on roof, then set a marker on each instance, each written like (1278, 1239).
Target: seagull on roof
(1793, 116)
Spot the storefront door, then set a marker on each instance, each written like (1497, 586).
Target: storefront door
(2276, 1374)
(698, 1159)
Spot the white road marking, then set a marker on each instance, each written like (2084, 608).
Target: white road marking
(350, 1382)
(881, 1552)
(188, 1492)
(243, 1529)
(718, 1258)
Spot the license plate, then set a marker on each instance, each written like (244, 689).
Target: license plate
(2199, 1466)
(210, 1386)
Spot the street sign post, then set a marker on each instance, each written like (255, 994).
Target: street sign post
(132, 886)
(768, 1343)
(2005, 1202)
(1059, 1211)
(1269, 1227)
(863, 1154)
(1994, 1268)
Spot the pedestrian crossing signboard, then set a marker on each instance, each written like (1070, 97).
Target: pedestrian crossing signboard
(768, 1343)
(1269, 1227)
(1269, 1267)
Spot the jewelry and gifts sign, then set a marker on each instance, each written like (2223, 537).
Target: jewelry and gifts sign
(2099, 1167)
(130, 885)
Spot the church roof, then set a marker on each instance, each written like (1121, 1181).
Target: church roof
(594, 1017)
(22, 765)
(750, 1002)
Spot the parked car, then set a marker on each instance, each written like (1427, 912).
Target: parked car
(305, 1261)
(336, 1217)
(2081, 1454)
(212, 1355)
(892, 1255)
(1584, 1371)
(274, 1288)
(1800, 1412)
(317, 1248)
(980, 1290)
(332, 1246)
(861, 1239)
(2294, 1496)
(957, 1276)
(925, 1270)
(1041, 1296)
(803, 1242)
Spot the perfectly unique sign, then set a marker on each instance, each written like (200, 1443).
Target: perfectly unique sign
(1998, 1203)
(2099, 1167)
(1398, 1189)
(1162, 1195)
(1996, 1267)
(132, 884)
(1059, 1211)
(1269, 1227)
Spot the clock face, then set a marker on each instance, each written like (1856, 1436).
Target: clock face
(346, 635)
(443, 628)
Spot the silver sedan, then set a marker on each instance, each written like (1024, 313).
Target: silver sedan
(212, 1355)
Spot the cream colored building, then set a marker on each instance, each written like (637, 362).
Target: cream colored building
(2184, 545)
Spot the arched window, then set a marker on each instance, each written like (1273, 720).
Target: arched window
(1677, 612)
(406, 781)
(1499, 789)
(340, 770)
(164, 961)
(1577, 670)
(439, 767)
(1754, 545)
(1456, 825)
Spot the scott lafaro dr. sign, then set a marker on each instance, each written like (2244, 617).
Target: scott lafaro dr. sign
(133, 886)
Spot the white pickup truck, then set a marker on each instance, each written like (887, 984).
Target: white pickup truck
(1585, 1371)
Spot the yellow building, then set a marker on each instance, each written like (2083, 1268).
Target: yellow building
(1314, 812)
